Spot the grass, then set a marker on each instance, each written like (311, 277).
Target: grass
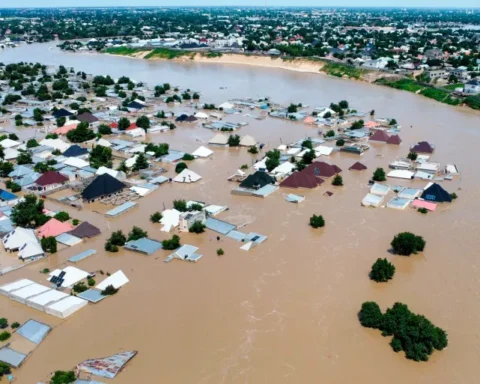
(211, 55)
(340, 70)
(124, 51)
(169, 54)
(452, 87)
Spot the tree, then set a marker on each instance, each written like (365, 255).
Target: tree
(180, 167)
(81, 133)
(393, 122)
(412, 156)
(309, 156)
(382, 271)
(406, 243)
(61, 121)
(317, 221)
(109, 290)
(118, 238)
(156, 217)
(100, 156)
(140, 163)
(292, 108)
(253, 150)
(143, 122)
(15, 325)
(343, 104)
(63, 377)
(109, 247)
(357, 124)
(327, 115)
(4, 369)
(379, 175)
(330, 133)
(123, 167)
(62, 216)
(188, 157)
(340, 143)
(220, 252)
(49, 244)
(5, 168)
(233, 141)
(196, 96)
(123, 124)
(4, 336)
(197, 227)
(3, 323)
(171, 244)
(370, 315)
(24, 158)
(180, 205)
(15, 187)
(104, 129)
(337, 181)
(136, 233)
(29, 213)
(273, 159)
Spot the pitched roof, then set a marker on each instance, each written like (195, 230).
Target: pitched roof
(257, 180)
(436, 193)
(219, 138)
(53, 227)
(301, 180)
(358, 167)
(113, 125)
(62, 112)
(87, 117)
(380, 136)
(135, 105)
(101, 186)
(51, 177)
(394, 139)
(320, 168)
(74, 151)
(423, 147)
(85, 229)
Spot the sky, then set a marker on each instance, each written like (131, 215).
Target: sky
(350, 3)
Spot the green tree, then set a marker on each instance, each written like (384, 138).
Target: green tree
(340, 143)
(143, 122)
(337, 181)
(29, 212)
(123, 124)
(63, 377)
(343, 104)
(4, 369)
(100, 156)
(24, 158)
(3, 323)
(382, 271)
(197, 227)
(104, 129)
(406, 243)
(81, 133)
(233, 141)
(308, 157)
(180, 167)
(180, 205)
(136, 233)
(292, 108)
(188, 157)
(61, 121)
(49, 244)
(379, 175)
(5, 168)
(370, 315)
(4, 336)
(171, 244)
(117, 238)
(220, 252)
(140, 163)
(273, 159)
(156, 217)
(62, 216)
(253, 150)
(330, 133)
(412, 156)
(317, 221)
(109, 290)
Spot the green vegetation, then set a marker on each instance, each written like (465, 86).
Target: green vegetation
(124, 51)
(4, 369)
(75, 221)
(382, 271)
(412, 333)
(340, 70)
(109, 290)
(337, 181)
(340, 143)
(220, 252)
(253, 150)
(330, 133)
(412, 156)
(143, 122)
(317, 221)
(188, 157)
(49, 244)
(100, 156)
(136, 233)
(453, 195)
(140, 163)
(423, 211)
(15, 325)
(169, 54)
(197, 227)
(171, 244)
(29, 213)
(180, 205)
(4, 336)
(116, 239)
(180, 167)
(3, 323)
(63, 377)
(155, 217)
(273, 160)
(211, 54)
(406, 243)
(379, 175)
(104, 129)
(62, 216)
(233, 141)
(90, 282)
(81, 133)
(79, 287)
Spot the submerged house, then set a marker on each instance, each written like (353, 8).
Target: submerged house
(257, 180)
(423, 147)
(322, 169)
(48, 181)
(103, 185)
(437, 194)
(187, 219)
(301, 180)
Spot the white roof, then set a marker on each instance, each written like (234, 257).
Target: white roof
(72, 275)
(170, 219)
(451, 169)
(8, 143)
(117, 174)
(30, 249)
(400, 174)
(61, 145)
(104, 143)
(28, 291)
(9, 287)
(141, 191)
(131, 161)
(136, 132)
(293, 151)
(379, 189)
(248, 141)
(45, 298)
(323, 150)
(372, 200)
(261, 163)
(118, 279)
(219, 139)
(226, 105)
(284, 168)
(137, 149)
(423, 175)
(76, 162)
(187, 176)
(18, 237)
(10, 153)
(201, 115)
(282, 147)
(202, 152)
(66, 306)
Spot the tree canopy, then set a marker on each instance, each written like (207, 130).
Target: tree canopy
(406, 243)
(81, 133)
(29, 213)
(382, 271)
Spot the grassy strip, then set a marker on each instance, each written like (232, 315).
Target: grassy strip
(452, 87)
(124, 51)
(340, 70)
(169, 54)
(211, 55)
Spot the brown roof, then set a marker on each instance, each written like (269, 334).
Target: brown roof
(358, 167)
(380, 136)
(85, 229)
(320, 168)
(395, 139)
(51, 177)
(301, 180)
(423, 147)
(87, 117)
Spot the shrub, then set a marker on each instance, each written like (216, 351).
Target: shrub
(423, 210)
(330, 133)
(171, 244)
(49, 244)
(109, 290)
(379, 175)
(340, 143)
(109, 247)
(406, 243)
(244, 166)
(118, 238)
(180, 205)
(63, 377)
(4, 336)
(370, 315)
(15, 325)
(382, 271)
(3, 323)
(453, 195)
(180, 167)
(79, 287)
(155, 217)
(136, 233)
(253, 150)
(15, 187)
(45, 271)
(197, 227)
(188, 157)
(62, 216)
(317, 221)
(337, 181)
(4, 369)
(220, 252)
(104, 129)
(412, 156)
(91, 282)
(195, 207)
(75, 221)
(233, 141)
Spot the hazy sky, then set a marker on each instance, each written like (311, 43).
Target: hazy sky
(354, 3)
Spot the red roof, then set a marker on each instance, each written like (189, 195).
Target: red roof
(358, 167)
(320, 168)
(132, 126)
(395, 139)
(113, 125)
(380, 136)
(301, 180)
(51, 177)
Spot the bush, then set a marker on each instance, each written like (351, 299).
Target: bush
(109, 247)
(104, 129)
(406, 243)
(171, 244)
(340, 143)
(412, 156)
(118, 238)
(195, 207)
(180, 205)
(382, 271)
(253, 150)
(337, 181)
(423, 210)
(91, 282)
(188, 157)
(4, 369)
(80, 287)
(379, 175)
(453, 195)
(62, 216)
(330, 133)
(180, 167)
(15, 187)
(370, 315)
(317, 221)
(3, 323)
(45, 271)
(15, 325)
(197, 227)
(233, 141)
(155, 217)
(4, 336)
(220, 252)
(109, 290)
(75, 221)
(63, 377)
(49, 244)
(244, 166)
(136, 233)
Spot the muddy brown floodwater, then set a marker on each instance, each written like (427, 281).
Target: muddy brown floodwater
(285, 312)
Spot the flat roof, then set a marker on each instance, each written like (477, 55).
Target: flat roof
(29, 291)
(83, 255)
(92, 295)
(11, 357)
(34, 331)
(121, 209)
(9, 287)
(144, 245)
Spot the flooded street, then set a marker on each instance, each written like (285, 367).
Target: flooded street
(285, 312)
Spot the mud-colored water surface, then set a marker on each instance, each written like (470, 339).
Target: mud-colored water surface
(285, 312)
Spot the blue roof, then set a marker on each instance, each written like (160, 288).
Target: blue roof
(265, 190)
(74, 151)
(172, 156)
(68, 239)
(34, 331)
(7, 196)
(143, 245)
(92, 295)
(255, 237)
(20, 170)
(236, 235)
(28, 179)
(6, 226)
(83, 255)
(11, 357)
(121, 209)
(219, 226)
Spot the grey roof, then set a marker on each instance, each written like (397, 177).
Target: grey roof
(92, 295)
(11, 357)
(34, 331)
(83, 255)
(144, 245)
(20, 170)
(219, 226)
(29, 179)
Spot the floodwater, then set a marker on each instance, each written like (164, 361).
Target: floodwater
(285, 312)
